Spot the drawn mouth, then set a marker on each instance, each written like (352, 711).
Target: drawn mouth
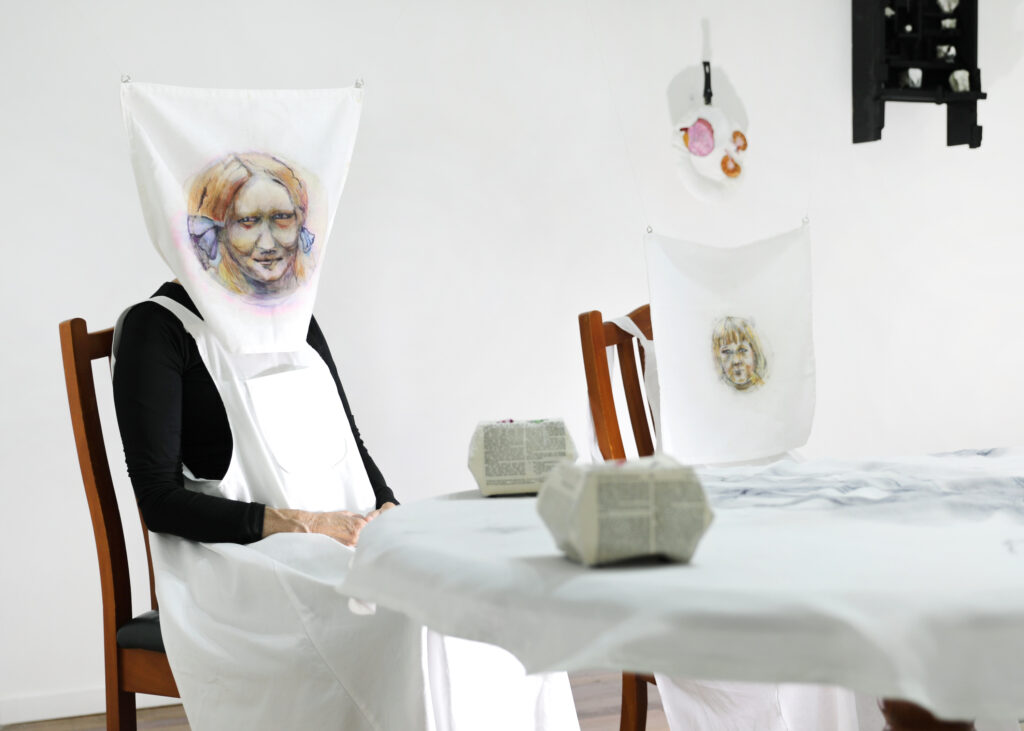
(268, 263)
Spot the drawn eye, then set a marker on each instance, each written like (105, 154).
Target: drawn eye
(248, 221)
(744, 350)
(282, 219)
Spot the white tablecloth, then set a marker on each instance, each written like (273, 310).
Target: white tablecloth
(906, 579)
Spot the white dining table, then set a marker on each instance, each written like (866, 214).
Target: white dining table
(895, 590)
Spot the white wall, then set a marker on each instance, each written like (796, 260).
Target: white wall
(511, 155)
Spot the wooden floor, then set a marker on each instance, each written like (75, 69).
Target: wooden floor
(597, 705)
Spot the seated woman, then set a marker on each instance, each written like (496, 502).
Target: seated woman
(171, 417)
(233, 454)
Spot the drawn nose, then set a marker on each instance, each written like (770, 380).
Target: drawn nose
(264, 241)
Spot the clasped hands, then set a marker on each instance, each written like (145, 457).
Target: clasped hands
(341, 525)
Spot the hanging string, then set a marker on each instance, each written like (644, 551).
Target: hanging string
(705, 55)
(705, 31)
(618, 119)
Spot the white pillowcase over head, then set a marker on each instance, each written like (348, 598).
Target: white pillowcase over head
(735, 355)
(239, 190)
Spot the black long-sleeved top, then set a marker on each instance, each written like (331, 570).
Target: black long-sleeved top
(169, 413)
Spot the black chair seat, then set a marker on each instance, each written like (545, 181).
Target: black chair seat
(142, 633)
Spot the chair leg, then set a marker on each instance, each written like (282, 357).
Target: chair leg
(120, 710)
(634, 703)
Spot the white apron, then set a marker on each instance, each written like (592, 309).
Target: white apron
(259, 637)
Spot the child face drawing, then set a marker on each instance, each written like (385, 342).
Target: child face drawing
(737, 359)
(263, 231)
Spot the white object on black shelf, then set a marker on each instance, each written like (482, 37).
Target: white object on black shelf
(911, 78)
(960, 80)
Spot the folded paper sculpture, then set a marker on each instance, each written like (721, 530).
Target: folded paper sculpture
(513, 457)
(613, 511)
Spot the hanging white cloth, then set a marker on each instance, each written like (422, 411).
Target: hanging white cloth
(239, 190)
(735, 351)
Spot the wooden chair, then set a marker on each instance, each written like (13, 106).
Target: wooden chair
(596, 336)
(133, 650)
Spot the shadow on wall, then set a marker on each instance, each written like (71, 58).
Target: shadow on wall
(1000, 38)
(686, 91)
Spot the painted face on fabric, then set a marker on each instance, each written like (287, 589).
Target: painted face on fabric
(737, 363)
(262, 230)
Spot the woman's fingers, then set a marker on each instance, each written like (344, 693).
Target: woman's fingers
(383, 508)
(342, 525)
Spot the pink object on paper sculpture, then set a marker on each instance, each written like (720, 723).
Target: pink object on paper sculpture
(699, 137)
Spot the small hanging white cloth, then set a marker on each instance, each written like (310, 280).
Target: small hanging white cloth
(735, 352)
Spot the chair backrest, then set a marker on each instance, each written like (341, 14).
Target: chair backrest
(80, 348)
(595, 337)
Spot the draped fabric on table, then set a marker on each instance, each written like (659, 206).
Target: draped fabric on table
(899, 578)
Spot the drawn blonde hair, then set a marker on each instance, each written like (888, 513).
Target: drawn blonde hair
(211, 197)
(732, 331)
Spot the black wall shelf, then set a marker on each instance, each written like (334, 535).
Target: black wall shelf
(894, 38)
